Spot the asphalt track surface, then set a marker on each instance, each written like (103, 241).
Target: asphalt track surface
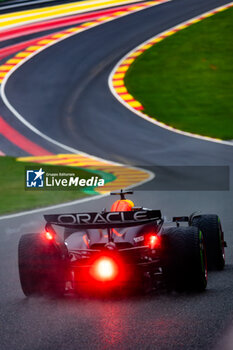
(63, 91)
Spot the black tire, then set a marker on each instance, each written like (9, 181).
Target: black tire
(211, 227)
(184, 259)
(42, 265)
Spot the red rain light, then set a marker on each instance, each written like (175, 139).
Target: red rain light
(153, 241)
(48, 236)
(105, 269)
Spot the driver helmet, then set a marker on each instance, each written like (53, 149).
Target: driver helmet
(122, 205)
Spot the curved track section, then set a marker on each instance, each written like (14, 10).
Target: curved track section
(86, 116)
(117, 76)
(74, 106)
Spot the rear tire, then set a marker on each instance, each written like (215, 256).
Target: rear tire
(42, 265)
(184, 259)
(211, 227)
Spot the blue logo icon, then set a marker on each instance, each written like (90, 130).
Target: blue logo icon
(35, 178)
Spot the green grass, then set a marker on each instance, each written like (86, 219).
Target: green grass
(186, 80)
(15, 198)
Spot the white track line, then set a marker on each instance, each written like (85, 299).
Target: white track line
(56, 206)
(150, 119)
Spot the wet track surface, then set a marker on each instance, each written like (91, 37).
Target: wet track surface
(155, 321)
(83, 114)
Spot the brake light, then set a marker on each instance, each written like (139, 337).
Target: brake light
(49, 236)
(105, 269)
(153, 241)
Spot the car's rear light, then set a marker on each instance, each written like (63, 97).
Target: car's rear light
(153, 241)
(105, 269)
(49, 236)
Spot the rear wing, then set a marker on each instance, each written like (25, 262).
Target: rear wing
(104, 219)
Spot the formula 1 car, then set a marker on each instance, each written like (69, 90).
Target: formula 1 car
(128, 246)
